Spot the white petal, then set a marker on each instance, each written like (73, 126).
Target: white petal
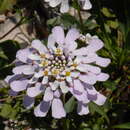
(88, 68)
(25, 69)
(58, 109)
(35, 91)
(38, 74)
(22, 54)
(87, 5)
(102, 77)
(71, 46)
(54, 85)
(64, 87)
(89, 78)
(18, 86)
(39, 46)
(78, 85)
(90, 58)
(45, 80)
(69, 79)
(95, 45)
(72, 35)
(64, 6)
(102, 61)
(54, 3)
(100, 99)
(79, 96)
(32, 80)
(81, 51)
(42, 109)
(28, 102)
(58, 34)
(82, 109)
(48, 95)
(75, 74)
(51, 42)
(34, 57)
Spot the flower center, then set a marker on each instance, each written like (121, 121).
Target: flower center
(57, 65)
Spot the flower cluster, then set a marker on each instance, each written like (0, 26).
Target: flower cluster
(56, 69)
(65, 4)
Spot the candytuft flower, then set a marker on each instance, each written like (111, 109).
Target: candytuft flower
(65, 4)
(57, 69)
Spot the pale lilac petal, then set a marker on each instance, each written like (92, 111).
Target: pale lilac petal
(38, 74)
(102, 77)
(90, 58)
(11, 78)
(54, 3)
(57, 94)
(100, 99)
(39, 46)
(33, 80)
(34, 57)
(64, 6)
(35, 91)
(28, 102)
(92, 93)
(8, 78)
(102, 61)
(88, 68)
(23, 69)
(89, 78)
(64, 87)
(78, 85)
(12, 93)
(51, 42)
(71, 36)
(81, 51)
(58, 109)
(75, 74)
(82, 109)
(48, 95)
(95, 45)
(79, 96)
(18, 86)
(58, 34)
(54, 85)
(45, 80)
(87, 5)
(22, 55)
(42, 109)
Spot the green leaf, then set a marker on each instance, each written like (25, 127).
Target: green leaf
(123, 126)
(6, 5)
(6, 110)
(8, 49)
(113, 24)
(69, 106)
(68, 20)
(95, 108)
(2, 55)
(107, 13)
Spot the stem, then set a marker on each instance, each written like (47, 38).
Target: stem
(80, 17)
(79, 13)
(5, 99)
(18, 24)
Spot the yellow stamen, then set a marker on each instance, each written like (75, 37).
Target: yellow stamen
(44, 63)
(75, 65)
(45, 72)
(43, 55)
(58, 52)
(55, 71)
(67, 73)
